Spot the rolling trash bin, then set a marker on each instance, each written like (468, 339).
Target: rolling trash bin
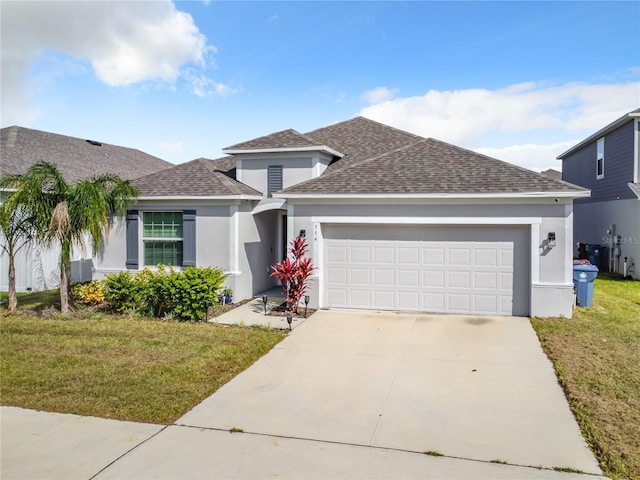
(596, 255)
(583, 278)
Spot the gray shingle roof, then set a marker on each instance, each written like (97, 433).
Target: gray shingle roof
(430, 166)
(199, 177)
(284, 139)
(76, 158)
(361, 138)
(551, 173)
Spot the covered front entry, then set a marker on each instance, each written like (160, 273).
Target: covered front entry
(449, 269)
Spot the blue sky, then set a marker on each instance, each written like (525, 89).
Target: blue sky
(521, 81)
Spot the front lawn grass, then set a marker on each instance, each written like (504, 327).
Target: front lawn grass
(596, 355)
(126, 368)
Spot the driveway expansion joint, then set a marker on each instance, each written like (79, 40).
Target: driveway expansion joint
(128, 451)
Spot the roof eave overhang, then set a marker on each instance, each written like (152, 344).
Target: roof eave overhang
(448, 196)
(199, 197)
(316, 148)
(628, 117)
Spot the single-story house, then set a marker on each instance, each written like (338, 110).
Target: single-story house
(394, 221)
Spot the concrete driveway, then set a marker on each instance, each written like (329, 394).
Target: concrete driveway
(472, 387)
(364, 395)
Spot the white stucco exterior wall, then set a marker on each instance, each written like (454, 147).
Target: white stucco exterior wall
(550, 283)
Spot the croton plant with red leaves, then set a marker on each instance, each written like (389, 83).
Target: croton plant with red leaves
(294, 272)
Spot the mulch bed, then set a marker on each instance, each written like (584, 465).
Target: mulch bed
(281, 311)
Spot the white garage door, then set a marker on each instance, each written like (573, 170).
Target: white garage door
(433, 269)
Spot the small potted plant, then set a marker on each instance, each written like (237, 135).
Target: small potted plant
(228, 295)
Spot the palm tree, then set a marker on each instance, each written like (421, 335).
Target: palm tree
(65, 214)
(16, 233)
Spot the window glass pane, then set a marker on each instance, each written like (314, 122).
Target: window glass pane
(167, 253)
(162, 225)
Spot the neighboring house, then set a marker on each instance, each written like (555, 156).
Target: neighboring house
(76, 158)
(551, 173)
(608, 163)
(394, 221)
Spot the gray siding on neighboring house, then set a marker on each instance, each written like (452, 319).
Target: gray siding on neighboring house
(580, 167)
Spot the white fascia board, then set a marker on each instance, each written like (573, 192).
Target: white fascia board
(430, 220)
(196, 198)
(313, 148)
(634, 189)
(586, 193)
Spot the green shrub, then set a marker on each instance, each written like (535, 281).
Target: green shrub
(122, 292)
(195, 289)
(89, 293)
(165, 292)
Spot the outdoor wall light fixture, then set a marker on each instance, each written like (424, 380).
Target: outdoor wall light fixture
(289, 320)
(264, 301)
(551, 239)
(306, 303)
(303, 233)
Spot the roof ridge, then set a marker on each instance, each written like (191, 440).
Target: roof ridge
(361, 162)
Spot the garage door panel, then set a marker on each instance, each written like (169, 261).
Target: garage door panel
(506, 258)
(384, 299)
(433, 256)
(360, 276)
(409, 300)
(338, 297)
(337, 276)
(337, 254)
(485, 280)
(383, 278)
(485, 257)
(433, 301)
(459, 302)
(459, 280)
(384, 255)
(408, 255)
(459, 256)
(485, 303)
(408, 278)
(433, 278)
(360, 254)
(466, 269)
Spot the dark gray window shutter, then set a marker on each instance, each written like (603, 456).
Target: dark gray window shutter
(132, 240)
(274, 178)
(189, 238)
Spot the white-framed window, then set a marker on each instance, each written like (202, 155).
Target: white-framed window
(600, 158)
(162, 238)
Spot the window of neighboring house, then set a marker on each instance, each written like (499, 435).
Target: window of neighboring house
(600, 159)
(162, 237)
(274, 179)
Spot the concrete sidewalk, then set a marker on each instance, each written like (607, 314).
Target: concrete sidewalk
(41, 445)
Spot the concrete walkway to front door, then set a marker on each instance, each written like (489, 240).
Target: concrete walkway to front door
(471, 387)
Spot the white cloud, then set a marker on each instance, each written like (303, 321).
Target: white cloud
(125, 42)
(202, 86)
(378, 95)
(172, 147)
(531, 156)
(549, 118)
